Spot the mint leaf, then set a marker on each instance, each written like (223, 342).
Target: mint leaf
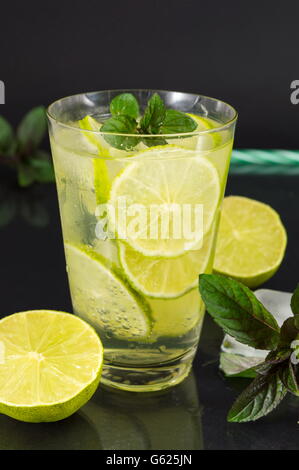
(34, 213)
(6, 135)
(288, 378)
(236, 309)
(32, 129)
(295, 301)
(26, 175)
(273, 359)
(154, 141)
(154, 115)
(288, 331)
(258, 399)
(41, 163)
(176, 122)
(7, 210)
(120, 125)
(125, 103)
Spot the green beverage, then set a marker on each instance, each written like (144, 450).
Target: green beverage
(139, 213)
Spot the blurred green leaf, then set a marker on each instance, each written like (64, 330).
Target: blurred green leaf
(26, 175)
(34, 213)
(6, 135)
(42, 165)
(7, 211)
(32, 129)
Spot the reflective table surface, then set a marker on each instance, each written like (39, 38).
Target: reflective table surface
(189, 416)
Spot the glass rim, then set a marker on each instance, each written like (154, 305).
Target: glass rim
(151, 136)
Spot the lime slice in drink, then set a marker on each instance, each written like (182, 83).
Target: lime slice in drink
(50, 365)
(164, 278)
(100, 296)
(162, 185)
(90, 124)
(101, 174)
(175, 317)
(203, 142)
(251, 241)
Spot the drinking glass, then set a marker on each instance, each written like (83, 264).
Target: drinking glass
(139, 216)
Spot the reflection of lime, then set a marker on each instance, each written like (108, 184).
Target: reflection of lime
(165, 179)
(74, 433)
(164, 277)
(251, 241)
(103, 298)
(51, 365)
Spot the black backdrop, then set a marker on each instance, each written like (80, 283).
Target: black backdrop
(244, 52)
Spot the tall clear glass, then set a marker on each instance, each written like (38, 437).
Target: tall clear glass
(139, 216)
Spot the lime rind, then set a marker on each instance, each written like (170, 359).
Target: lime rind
(88, 123)
(101, 175)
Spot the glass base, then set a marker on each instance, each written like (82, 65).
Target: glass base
(147, 379)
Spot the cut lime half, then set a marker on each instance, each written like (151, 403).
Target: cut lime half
(251, 241)
(100, 296)
(50, 365)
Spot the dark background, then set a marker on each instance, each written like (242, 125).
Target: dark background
(243, 52)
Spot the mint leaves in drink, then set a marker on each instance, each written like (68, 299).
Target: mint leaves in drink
(156, 120)
(235, 308)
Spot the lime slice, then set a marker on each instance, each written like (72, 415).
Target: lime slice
(203, 142)
(251, 241)
(50, 365)
(90, 124)
(176, 317)
(101, 175)
(164, 278)
(162, 178)
(103, 298)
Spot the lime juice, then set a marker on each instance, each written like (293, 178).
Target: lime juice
(139, 220)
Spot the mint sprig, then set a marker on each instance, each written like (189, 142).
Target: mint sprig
(155, 120)
(20, 150)
(235, 308)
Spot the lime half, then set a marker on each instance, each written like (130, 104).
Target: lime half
(163, 184)
(103, 298)
(251, 241)
(50, 365)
